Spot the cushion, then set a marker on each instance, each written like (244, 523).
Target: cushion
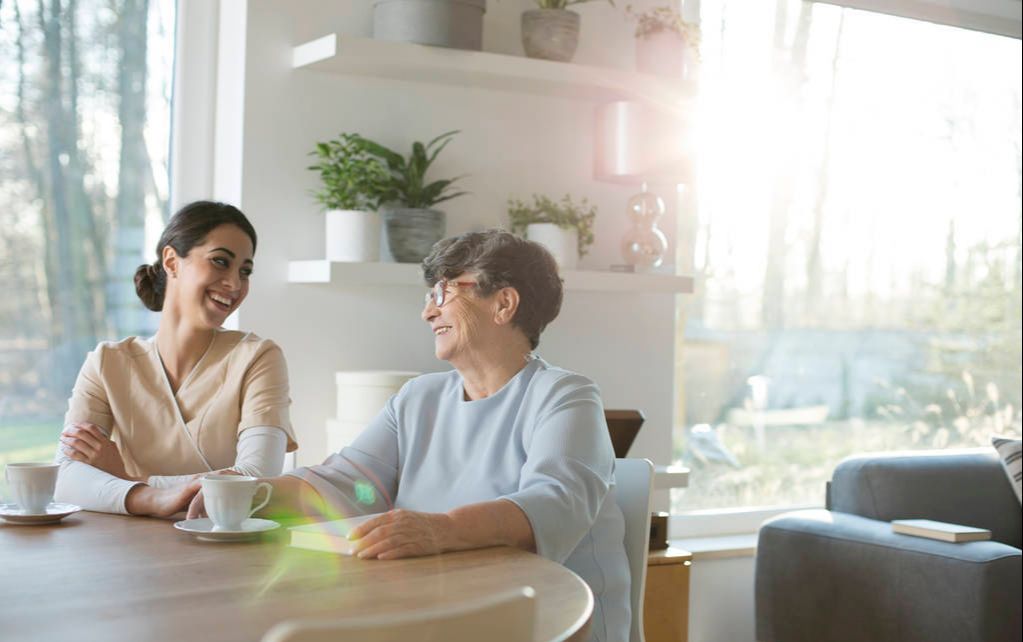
(1010, 451)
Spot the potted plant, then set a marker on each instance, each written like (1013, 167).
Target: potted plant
(551, 31)
(350, 177)
(662, 38)
(563, 227)
(442, 23)
(407, 200)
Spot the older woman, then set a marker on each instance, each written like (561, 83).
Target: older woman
(505, 449)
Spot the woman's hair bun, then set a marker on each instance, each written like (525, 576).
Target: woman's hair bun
(150, 284)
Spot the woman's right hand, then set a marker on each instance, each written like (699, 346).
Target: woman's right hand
(161, 502)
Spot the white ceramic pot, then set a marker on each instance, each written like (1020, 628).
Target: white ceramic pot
(562, 243)
(662, 54)
(353, 236)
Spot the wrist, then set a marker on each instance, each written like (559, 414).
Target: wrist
(137, 501)
(449, 533)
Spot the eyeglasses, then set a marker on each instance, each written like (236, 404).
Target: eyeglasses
(439, 292)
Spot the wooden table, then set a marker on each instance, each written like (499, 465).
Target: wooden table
(109, 577)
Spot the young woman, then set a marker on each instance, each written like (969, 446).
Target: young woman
(148, 415)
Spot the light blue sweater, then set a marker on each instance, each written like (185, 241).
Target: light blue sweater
(541, 441)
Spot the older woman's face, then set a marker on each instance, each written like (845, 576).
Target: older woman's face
(456, 324)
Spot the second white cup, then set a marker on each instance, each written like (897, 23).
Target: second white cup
(228, 499)
(32, 485)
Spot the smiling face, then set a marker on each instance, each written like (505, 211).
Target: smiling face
(213, 279)
(458, 324)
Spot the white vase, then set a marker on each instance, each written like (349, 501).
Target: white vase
(560, 242)
(662, 54)
(353, 236)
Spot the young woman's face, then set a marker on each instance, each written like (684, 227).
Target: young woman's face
(213, 280)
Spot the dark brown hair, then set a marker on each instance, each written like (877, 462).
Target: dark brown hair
(186, 229)
(500, 260)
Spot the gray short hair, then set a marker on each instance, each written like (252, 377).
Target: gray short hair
(500, 260)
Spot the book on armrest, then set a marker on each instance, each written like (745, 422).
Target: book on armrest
(939, 530)
(331, 537)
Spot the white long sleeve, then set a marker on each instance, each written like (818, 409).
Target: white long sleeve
(260, 453)
(89, 487)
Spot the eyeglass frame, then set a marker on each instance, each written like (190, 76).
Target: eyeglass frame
(438, 294)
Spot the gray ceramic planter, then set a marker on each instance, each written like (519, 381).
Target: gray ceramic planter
(550, 34)
(411, 233)
(441, 23)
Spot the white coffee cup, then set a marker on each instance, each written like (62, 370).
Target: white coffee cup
(228, 499)
(32, 485)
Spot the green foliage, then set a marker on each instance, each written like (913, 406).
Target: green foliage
(565, 214)
(405, 184)
(661, 19)
(352, 177)
(563, 4)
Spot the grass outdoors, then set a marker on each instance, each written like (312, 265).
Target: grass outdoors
(795, 462)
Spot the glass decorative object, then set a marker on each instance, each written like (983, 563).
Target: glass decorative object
(643, 246)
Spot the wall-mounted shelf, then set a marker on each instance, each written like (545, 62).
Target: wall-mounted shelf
(408, 274)
(339, 54)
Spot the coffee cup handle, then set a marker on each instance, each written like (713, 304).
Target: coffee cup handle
(266, 500)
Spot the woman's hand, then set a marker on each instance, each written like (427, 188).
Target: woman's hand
(161, 502)
(403, 533)
(197, 507)
(87, 443)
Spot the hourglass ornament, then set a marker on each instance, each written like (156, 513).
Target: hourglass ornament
(644, 245)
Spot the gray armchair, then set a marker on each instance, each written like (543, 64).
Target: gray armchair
(842, 575)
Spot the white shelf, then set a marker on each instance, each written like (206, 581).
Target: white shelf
(409, 274)
(338, 54)
(666, 477)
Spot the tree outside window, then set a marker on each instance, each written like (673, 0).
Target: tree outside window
(85, 90)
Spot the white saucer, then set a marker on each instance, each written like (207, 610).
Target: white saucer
(53, 514)
(204, 529)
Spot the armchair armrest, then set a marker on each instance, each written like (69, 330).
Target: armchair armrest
(956, 486)
(830, 576)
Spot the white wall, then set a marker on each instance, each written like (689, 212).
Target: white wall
(269, 116)
(721, 600)
(510, 145)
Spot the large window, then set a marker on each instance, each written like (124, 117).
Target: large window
(84, 137)
(857, 247)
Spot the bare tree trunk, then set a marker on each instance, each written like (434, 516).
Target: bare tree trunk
(133, 170)
(773, 303)
(78, 306)
(814, 270)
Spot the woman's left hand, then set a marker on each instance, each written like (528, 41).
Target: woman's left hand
(87, 443)
(403, 533)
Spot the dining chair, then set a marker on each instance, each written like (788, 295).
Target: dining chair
(634, 482)
(504, 617)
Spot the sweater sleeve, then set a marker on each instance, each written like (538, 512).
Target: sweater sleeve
(363, 477)
(569, 467)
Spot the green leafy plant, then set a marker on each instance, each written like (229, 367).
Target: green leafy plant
(564, 213)
(405, 181)
(663, 19)
(350, 174)
(562, 4)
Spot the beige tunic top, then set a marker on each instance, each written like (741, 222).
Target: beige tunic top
(240, 382)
